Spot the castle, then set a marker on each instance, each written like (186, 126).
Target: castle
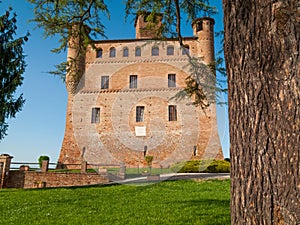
(122, 108)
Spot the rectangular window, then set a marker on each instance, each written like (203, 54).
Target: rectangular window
(140, 113)
(171, 80)
(104, 82)
(95, 115)
(133, 81)
(172, 113)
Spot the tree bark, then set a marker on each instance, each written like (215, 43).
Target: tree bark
(262, 47)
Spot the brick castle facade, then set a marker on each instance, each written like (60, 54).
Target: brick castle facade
(122, 109)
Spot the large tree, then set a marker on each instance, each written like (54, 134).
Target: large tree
(262, 44)
(12, 66)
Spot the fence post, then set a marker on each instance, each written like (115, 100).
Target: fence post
(45, 165)
(122, 170)
(83, 166)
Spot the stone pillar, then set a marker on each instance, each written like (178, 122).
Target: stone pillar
(45, 165)
(5, 161)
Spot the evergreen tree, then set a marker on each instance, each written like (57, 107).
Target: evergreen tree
(12, 66)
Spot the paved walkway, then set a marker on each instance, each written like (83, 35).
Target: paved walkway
(175, 176)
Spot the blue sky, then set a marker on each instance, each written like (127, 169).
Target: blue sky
(39, 128)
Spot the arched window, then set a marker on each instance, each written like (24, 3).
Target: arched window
(99, 53)
(125, 52)
(112, 52)
(170, 50)
(155, 51)
(186, 50)
(138, 51)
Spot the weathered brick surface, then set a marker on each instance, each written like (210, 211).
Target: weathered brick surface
(114, 140)
(29, 179)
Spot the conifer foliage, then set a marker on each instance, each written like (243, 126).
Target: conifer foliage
(12, 66)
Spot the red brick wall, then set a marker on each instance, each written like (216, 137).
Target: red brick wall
(29, 179)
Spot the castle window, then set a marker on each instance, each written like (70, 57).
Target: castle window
(199, 26)
(172, 113)
(95, 115)
(138, 51)
(140, 113)
(171, 80)
(170, 50)
(112, 52)
(99, 53)
(133, 81)
(104, 82)
(125, 52)
(155, 51)
(145, 17)
(186, 50)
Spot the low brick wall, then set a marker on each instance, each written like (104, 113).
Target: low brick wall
(29, 179)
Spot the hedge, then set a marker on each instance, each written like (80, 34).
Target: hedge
(202, 166)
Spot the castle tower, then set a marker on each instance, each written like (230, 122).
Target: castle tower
(75, 58)
(147, 25)
(203, 28)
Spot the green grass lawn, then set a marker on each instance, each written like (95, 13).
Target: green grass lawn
(168, 202)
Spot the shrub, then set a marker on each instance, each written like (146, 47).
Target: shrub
(204, 166)
(177, 166)
(41, 158)
(187, 167)
(149, 159)
(218, 166)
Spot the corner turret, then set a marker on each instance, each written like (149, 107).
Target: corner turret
(75, 59)
(203, 28)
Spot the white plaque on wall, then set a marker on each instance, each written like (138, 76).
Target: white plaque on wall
(140, 131)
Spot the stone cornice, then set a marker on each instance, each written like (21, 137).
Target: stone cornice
(140, 60)
(106, 91)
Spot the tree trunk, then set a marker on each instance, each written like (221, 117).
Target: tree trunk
(262, 47)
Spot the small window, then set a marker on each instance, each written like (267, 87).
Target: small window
(146, 17)
(99, 53)
(186, 50)
(171, 80)
(133, 81)
(155, 51)
(199, 26)
(172, 113)
(125, 52)
(112, 52)
(138, 51)
(95, 115)
(170, 50)
(104, 82)
(140, 113)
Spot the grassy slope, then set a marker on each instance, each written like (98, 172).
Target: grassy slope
(169, 202)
